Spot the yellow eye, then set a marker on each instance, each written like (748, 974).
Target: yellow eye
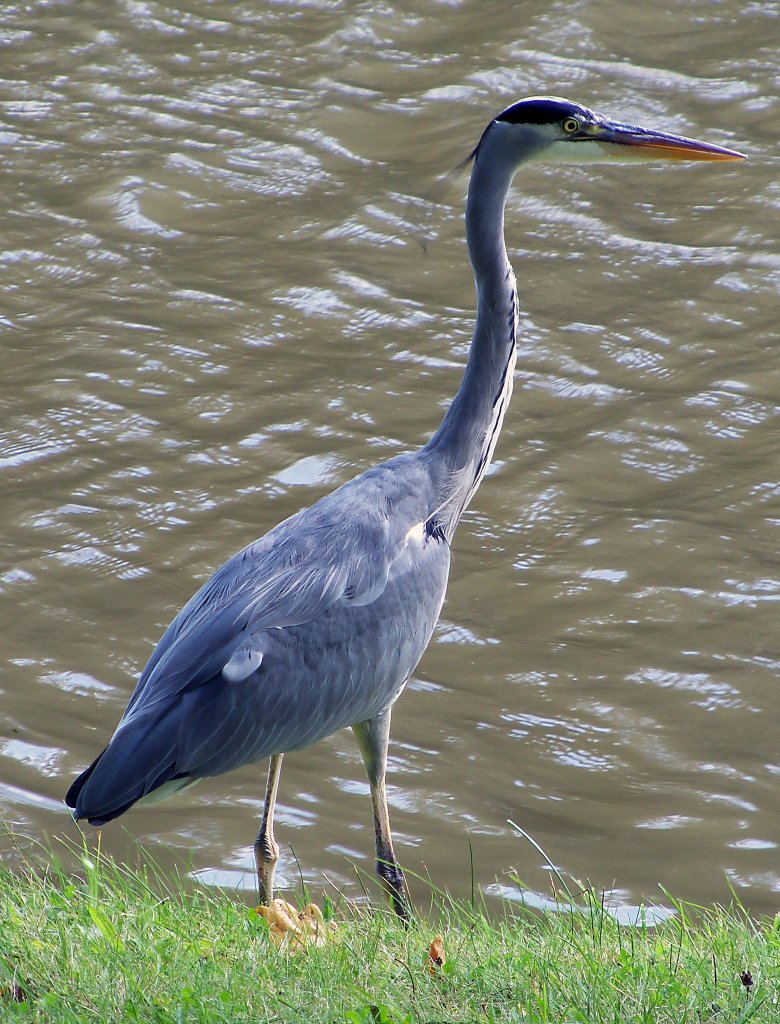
(571, 124)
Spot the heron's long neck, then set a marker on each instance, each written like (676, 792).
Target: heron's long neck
(462, 447)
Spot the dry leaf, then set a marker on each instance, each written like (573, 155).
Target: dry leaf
(296, 930)
(436, 955)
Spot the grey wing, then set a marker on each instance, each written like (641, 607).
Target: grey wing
(290, 576)
(312, 594)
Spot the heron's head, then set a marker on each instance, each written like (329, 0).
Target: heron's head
(552, 128)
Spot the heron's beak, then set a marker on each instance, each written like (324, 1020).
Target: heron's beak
(628, 141)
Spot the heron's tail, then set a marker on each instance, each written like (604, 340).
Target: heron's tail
(137, 761)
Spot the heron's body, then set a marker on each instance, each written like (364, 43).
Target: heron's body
(319, 624)
(238, 677)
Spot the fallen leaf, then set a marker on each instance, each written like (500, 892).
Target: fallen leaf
(296, 930)
(436, 955)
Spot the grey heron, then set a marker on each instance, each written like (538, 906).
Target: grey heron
(318, 624)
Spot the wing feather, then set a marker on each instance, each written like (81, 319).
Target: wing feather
(337, 550)
(207, 702)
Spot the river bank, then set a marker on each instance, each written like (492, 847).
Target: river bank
(111, 944)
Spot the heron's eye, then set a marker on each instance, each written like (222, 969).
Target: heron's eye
(570, 125)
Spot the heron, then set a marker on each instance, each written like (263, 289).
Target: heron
(319, 624)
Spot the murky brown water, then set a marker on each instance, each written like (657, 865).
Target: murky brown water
(233, 275)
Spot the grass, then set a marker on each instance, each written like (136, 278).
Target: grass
(120, 945)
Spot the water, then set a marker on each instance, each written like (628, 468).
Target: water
(234, 275)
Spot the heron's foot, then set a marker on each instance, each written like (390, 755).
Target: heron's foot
(394, 884)
(266, 859)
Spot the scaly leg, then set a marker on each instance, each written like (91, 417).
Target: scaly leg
(373, 736)
(266, 848)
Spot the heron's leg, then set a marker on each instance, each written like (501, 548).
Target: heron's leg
(373, 735)
(266, 847)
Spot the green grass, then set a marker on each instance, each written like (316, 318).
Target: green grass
(115, 945)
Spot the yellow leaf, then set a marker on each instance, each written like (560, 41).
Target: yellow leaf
(296, 930)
